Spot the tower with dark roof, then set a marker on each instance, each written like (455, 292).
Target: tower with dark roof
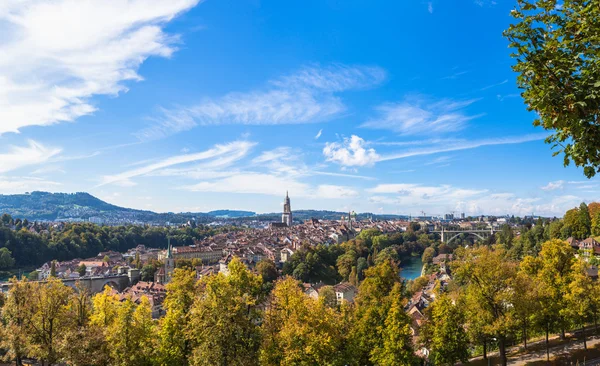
(286, 217)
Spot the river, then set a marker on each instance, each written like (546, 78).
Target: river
(411, 268)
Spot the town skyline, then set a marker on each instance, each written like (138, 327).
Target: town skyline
(338, 103)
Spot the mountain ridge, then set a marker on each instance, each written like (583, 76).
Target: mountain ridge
(82, 206)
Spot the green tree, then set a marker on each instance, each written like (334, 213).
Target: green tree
(105, 306)
(266, 268)
(368, 234)
(552, 274)
(131, 334)
(581, 297)
(327, 297)
(85, 346)
(81, 269)
(506, 236)
(387, 254)
(419, 283)
(558, 65)
(395, 347)
(576, 223)
(554, 230)
(301, 331)
(49, 317)
(15, 319)
(444, 334)
(584, 219)
(6, 219)
(526, 303)
(174, 345)
(375, 298)
(53, 269)
(147, 272)
(223, 318)
(6, 259)
(345, 263)
(428, 255)
(490, 290)
(381, 242)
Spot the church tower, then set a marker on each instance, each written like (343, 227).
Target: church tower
(286, 217)
(169, 263)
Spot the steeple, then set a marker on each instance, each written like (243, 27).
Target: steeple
(169, 263)
(169, 248)
(286, 217)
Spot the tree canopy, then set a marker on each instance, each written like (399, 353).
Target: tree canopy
(556, 49)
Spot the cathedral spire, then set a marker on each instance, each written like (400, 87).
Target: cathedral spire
(286, 217)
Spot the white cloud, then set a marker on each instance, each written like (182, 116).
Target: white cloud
(49, 169)
(430, 7)
(20, 156)
(332, 191)
(220, 155)
(56, 55)
(351, 152)
(333, 78)
(441, 199)
(493, 85)
(440, 160)
(354, 152)
(551, 186)
(270, 173)
(463, 145)
(319, 134)
(280, 153)
(412, 193)
(307, 96)
(272, 185)
(416, 115)
(15, 185)
(252, 183)
(330, 174)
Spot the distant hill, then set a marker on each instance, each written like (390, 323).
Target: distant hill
(81, 206)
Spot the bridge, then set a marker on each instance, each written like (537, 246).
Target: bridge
(448, 235)
(94, 284)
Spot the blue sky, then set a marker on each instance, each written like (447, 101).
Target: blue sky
(386, 106)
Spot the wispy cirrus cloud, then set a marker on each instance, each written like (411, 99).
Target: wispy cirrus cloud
(355, 151)
(577, 185)
(14, 185)
(551, 186)
(56, 55)
(287, 161)
(464, 145)
(215, 157)
(271, 185)
(33, 153)
(425, 192)
(418, 115)
(307, 96)
(493, 85)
